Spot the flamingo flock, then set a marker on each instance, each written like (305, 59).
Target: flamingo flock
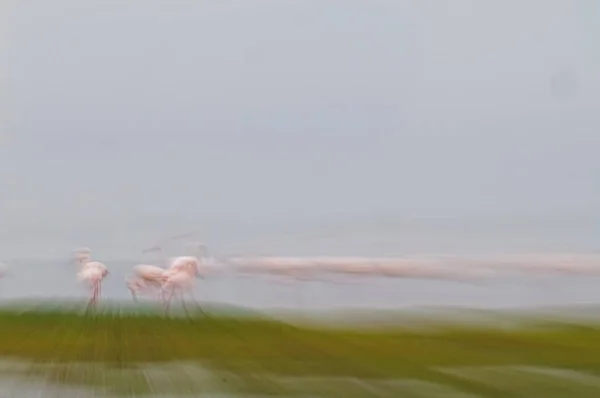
(177, 280)
(176, 276)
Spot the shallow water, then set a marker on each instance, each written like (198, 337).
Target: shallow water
(45, 279)
(19, 379)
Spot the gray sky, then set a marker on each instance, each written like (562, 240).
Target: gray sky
(122, 121)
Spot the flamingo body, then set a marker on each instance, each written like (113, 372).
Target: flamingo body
(146, 279)
(90, 273)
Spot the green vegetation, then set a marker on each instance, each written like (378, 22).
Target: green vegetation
(254, 351)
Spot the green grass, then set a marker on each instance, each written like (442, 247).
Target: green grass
(256, 351)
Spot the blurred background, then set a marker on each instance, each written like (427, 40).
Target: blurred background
(302, 128)
(298, 128)
(432, 126)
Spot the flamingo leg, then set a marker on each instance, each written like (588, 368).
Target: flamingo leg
(160, 292)
(195, 302)
(167, 302)
(133, 295)
(92, 302)
(182, 298)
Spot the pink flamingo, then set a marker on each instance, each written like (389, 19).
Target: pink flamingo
(91, 273)
(179, 277)
(180, 281)
(147, 279)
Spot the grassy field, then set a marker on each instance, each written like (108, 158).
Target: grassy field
(255, 354)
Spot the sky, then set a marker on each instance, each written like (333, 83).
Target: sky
(122, 122)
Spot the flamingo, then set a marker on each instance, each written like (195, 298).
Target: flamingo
(191, 264)
(150, 278)
(179, 277)
(146, 279)
(179, 281)
(180, 262)
(91, 273)
(194, 265)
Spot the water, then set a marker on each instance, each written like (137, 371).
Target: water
(51, 276)
(19, 379)
(55, 279)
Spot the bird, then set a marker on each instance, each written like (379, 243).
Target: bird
(193, 261)
(181, 274)
(180, 281)
(147, 279)
(91, 273)
(193, 264)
